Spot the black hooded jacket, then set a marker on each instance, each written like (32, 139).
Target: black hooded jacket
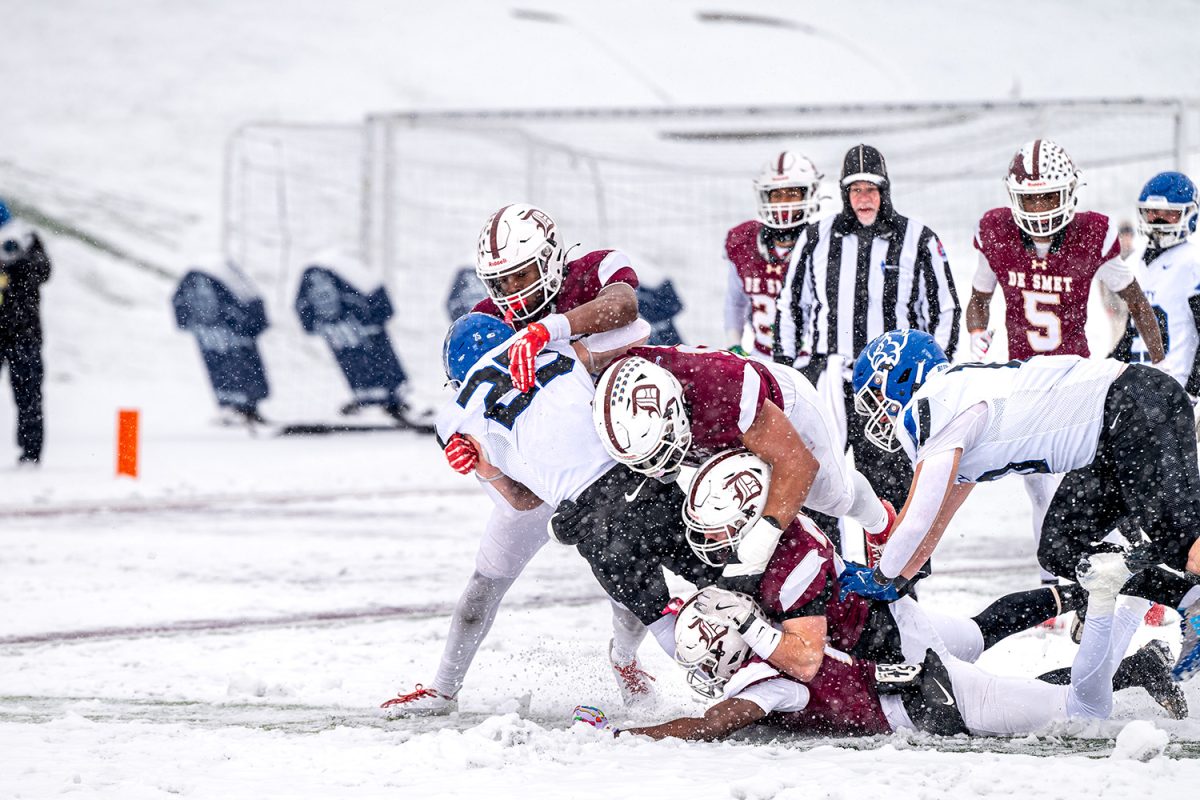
(20, 295)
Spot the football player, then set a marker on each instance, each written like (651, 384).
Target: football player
(662, 407)
(1043, 255)
(1121, 434)
(1168, 269)
(530, 282)
(727, 638)
(757, 251)
(538, 447)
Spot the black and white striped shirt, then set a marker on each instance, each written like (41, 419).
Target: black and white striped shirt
(843, 290)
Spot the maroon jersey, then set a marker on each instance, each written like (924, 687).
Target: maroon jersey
(583, 279)
(761, 268)
(1046, 299)
(801, 580)
(843, 701)
(721, 403)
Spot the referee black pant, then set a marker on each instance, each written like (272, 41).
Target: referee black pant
(25, 373)
(1145, 473)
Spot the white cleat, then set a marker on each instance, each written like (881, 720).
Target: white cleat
(420, 702)
(633, 681)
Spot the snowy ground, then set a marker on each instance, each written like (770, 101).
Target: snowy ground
(226, 625)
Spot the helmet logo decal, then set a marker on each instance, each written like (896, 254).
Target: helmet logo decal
(709, 637)
(645, 398)
(540, 219)
(746, 487)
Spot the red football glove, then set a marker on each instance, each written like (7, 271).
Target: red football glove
(522, 356)
(461, 454)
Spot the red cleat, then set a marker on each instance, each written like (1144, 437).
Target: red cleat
(1156, 616)
(876, 541)
(421, 702)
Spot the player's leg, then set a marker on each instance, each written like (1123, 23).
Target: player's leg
(510, 540)
(1084, 509)
(1154, 458)
(1040, 489)
(635, 684)
(1020, 611)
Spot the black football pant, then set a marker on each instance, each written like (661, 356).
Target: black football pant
(25, 373)
(629, 527)
(1144, 475)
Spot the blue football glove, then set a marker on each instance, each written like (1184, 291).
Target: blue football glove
(863, 582)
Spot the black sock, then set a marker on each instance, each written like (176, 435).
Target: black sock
(1159, 585)
(1125, 676)
(1021, 611)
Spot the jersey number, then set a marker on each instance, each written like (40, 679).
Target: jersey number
(1050, 335)
(501, 384)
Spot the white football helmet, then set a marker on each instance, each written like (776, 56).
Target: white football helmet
(641, 418)
(726, 497)
(787, 170)
(1042, 167)
(710, 652)
(515, 237)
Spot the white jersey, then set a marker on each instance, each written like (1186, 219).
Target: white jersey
(1043, 415)
(542, 438)
(1169, 282)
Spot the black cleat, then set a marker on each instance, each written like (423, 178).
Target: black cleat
(1153, 664)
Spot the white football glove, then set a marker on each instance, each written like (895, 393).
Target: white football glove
(737, 611)
(981, 342)
(755, 549)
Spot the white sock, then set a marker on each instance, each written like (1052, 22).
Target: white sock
(1128, 617)
(1092, 671)
(472, 619)
(628, 633)
(866, 509)
(664, 633)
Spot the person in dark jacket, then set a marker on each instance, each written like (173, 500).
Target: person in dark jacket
(24, 267)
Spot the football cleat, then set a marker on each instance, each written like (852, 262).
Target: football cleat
(1153, 664)
(633, 681)
(1189, 651)
(1156, 617)
(420, 702)
(876, 541)
(1077, 624)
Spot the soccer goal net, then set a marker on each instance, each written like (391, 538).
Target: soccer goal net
(406, 194)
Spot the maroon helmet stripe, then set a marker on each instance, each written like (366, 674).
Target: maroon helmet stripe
(606, 399)
(1037, 152)
(782, 156)
(495, 232)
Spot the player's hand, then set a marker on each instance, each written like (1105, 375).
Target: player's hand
(461, 454)
(981, 342)
(723, 607)
(863, 581)
(1193, 559)
(522, 355)
(590, 715)
(755, 549)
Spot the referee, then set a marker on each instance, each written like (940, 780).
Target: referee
(852, 277)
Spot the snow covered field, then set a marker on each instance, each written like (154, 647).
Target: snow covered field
(226, 625)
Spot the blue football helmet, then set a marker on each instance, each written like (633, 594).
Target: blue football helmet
(469, 338)
(887, 374)
(1167, 192)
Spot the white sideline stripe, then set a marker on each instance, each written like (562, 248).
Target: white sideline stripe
(205, 503)
(312, 617)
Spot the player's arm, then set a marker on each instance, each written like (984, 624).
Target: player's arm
(979, 307)
(737, 307)
(774, 439)
(1144, 320)
(466, 454)
(932, 500)
(802, 648)
(614, 307)
(718, 722)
